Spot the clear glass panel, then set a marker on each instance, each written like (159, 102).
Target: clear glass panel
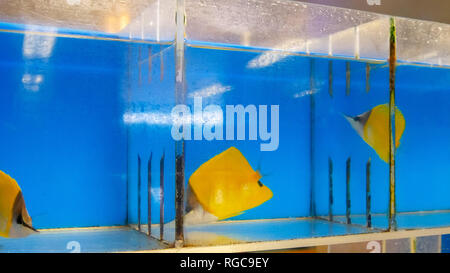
(351, 128)
(288, 26)
(148, 119)
(137, 19)
(423, 42)
(421, 95)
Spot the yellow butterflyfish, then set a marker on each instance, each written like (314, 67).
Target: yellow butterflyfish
(223, 187)
(373, 127)
(15, 221)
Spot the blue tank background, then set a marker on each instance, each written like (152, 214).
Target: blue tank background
(69, 149)
(65, 143)
(337, 140)
(424, 155)
(154, 93)
(286, 170)
(248, 87)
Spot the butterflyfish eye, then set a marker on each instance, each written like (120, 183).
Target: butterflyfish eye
(19, 220)
(260, 184)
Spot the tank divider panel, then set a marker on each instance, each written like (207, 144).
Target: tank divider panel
(139, 193)
(367, 77)
(348, 200)
(149, 194)
(330, 78)
(149, 64)
(330, 188)
(161, 197)
(347, 78)
(392, 68)
(161, 58)
(180, 98)
(368, 195)
(179, 197)
(140, 65)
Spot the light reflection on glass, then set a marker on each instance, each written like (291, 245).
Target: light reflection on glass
(31, 82)
(37, 46)
(268, 58)
(211, 90)
(158, 118)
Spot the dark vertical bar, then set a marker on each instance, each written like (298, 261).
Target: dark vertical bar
(179, 197)
(348, 203)
(161, 200)
(149, 194)
(139, 65)
(128, 175)
(161, 65)
(330, 78)
(180, 98)
(139, 193)
(392, 68)
(312, 138)
(149, 64)
(347, 77)
(367, 77)
(368, 195)
(330, 189)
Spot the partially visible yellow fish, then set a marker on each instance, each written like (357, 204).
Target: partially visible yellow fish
(373, 127)
(14, 218)
(223, 187)
(114, 23)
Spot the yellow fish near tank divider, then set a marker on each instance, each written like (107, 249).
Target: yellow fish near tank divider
(15, 221)
(223, 187)
(373, 127)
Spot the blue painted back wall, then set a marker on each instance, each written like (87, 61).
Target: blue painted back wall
(285, 170)
(61, 134)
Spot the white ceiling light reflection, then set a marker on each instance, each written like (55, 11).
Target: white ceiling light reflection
(211, 90)
(31, 82)
(156, 193)
(158, 118)
(198, 119)
(271, 57)
(73, 2)
(36, 46)
(151, 118)
(304, 93)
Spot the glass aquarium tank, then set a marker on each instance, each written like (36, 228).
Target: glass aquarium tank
(238, 125)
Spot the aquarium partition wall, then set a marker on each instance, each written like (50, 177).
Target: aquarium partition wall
(110, 108)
